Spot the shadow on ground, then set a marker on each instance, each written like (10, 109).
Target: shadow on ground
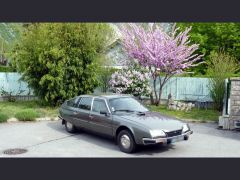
(108, 143)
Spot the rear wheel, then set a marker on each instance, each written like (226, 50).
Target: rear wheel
(126, 141)
(70, 127)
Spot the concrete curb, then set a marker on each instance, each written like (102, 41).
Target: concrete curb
(198, 121)
(13, 120)
(47, 119)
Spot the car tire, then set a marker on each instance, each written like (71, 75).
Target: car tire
(70, 127)
(126, 141)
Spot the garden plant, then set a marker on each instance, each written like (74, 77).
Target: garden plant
(133, 80)
(221, 65)
(27, 115)
(3, 117)
(58, 60)
(165, 54)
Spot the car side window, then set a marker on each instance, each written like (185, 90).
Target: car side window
(85, 103)
(99, 105)
(72, 102)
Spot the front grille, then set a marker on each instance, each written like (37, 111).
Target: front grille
(174, 133)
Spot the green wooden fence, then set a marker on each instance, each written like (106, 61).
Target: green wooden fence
(181, 88)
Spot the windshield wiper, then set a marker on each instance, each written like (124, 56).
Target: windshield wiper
(140, 113)
(125, 110)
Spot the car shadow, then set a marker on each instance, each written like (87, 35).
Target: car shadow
(153, 149)
(109, 143)
(56, 125)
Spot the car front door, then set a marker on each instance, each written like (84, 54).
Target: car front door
(100, 117)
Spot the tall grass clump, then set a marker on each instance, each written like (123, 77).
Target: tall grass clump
(220, 67)
(3, 117)
(27, 115)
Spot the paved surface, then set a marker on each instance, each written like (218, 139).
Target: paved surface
(49, 139)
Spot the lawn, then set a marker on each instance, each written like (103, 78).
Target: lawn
(195, 114)
(12, 108)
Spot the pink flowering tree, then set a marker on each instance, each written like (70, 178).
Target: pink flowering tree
(163, 54)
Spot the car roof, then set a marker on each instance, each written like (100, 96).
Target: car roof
(106, 95)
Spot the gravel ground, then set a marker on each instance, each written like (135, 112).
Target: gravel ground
(49, 139)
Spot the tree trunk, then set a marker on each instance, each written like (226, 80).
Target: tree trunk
(158, 100)
(155, 99)
(151, 99)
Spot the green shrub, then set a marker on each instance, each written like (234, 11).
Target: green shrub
(58, 60)
(3, 117)
(27, 115)
(6, 69)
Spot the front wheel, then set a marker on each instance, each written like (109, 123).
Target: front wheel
(70, 127)
(126, 142)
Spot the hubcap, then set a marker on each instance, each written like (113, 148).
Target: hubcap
(125, 141)
(69, 125)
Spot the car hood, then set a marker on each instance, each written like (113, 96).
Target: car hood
(154, 120)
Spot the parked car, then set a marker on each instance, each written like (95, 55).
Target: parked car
(123, 118)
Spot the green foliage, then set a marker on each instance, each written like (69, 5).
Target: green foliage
(9, 35)
(6, 69)
(10, 32)
(104, 77)
(104, 73)
(3, 117)
(200, 115)
(213, 36)
(27, 115)
(58, 60)
(11, 108)
(221, 66)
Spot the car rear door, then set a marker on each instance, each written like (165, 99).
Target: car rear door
(101, 123)
(82, 112)
(68, 108)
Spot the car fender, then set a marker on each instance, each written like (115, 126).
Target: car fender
(137, 130)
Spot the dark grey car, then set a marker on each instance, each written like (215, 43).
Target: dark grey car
(123, 118)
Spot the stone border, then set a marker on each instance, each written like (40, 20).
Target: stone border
(198, 121)
(12, 120)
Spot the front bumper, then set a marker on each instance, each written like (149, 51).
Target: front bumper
(63, 121)
(167, 140)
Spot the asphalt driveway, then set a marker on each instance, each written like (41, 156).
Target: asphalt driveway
(49, 139)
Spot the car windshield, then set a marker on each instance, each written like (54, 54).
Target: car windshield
(127, 104)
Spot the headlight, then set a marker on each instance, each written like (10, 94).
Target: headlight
(157, 133)
(185, 128)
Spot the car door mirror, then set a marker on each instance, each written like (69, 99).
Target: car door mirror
(104, 112)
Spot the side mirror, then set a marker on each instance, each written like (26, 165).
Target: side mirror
(104, 112)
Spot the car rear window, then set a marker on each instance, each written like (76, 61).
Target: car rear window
(72, 102)
(85, 103)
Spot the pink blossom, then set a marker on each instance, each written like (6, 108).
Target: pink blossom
(170, 53)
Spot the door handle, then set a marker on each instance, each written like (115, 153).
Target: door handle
(75, 113)
(90, 116)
